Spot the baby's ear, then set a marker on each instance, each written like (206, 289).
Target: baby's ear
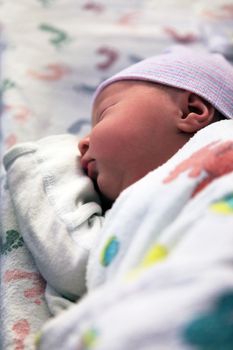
(196, 114)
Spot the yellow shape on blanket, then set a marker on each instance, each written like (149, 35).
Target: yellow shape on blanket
(222, 208)
(38, 339)
(155, 254)
(224, 205)
(89, 338)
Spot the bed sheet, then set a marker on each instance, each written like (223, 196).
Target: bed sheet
(55, 52)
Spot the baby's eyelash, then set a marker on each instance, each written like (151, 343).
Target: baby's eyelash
(101, 115)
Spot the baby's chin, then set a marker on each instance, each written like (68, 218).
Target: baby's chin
(106, 203)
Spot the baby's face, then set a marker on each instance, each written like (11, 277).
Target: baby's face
(131, 135)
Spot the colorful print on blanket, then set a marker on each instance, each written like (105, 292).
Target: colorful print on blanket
(13, 241)
(214, 328)
(110, 251)
(204, 166)
(58, 72)
(223, 205)
(162, 252)
(35, 291)
(215, 160)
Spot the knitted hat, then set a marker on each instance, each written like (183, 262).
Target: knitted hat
(206, 74)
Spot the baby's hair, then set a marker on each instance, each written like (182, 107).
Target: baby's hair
(218, 116)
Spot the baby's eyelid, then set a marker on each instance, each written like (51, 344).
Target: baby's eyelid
(101, 115)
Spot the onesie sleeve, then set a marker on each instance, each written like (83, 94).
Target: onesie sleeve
(57, 209)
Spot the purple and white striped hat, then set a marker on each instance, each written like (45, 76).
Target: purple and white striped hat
(206, 74)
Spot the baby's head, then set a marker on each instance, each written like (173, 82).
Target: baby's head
(144, 114)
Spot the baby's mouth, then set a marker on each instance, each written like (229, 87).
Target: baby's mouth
(89, 166)
(91, 170)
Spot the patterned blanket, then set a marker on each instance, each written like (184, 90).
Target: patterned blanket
(159, 274)
(53, 55)
(49, 218)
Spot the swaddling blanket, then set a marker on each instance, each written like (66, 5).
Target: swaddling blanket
(49, 217)
(163, 260)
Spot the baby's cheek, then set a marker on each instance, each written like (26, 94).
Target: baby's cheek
(101, 138)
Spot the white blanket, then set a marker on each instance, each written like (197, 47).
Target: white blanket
(163, 261)
(49, 218)
(159, 273)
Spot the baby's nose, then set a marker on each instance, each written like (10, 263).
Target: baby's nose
(83, 145)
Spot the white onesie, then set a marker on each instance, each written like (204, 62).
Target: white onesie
(58, 212)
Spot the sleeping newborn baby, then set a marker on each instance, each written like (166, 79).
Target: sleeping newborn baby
(141, 117)
(146, 113)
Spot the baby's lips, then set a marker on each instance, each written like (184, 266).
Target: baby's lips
(91, 169)
(84, 163)
(84, 160)
(89, 166)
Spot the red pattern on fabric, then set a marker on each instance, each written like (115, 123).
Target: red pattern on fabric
(21, 329)
(214, 160)
(38, 284)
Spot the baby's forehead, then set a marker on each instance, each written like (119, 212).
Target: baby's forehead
(126, 89)
(117, 90)
(123, 87)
